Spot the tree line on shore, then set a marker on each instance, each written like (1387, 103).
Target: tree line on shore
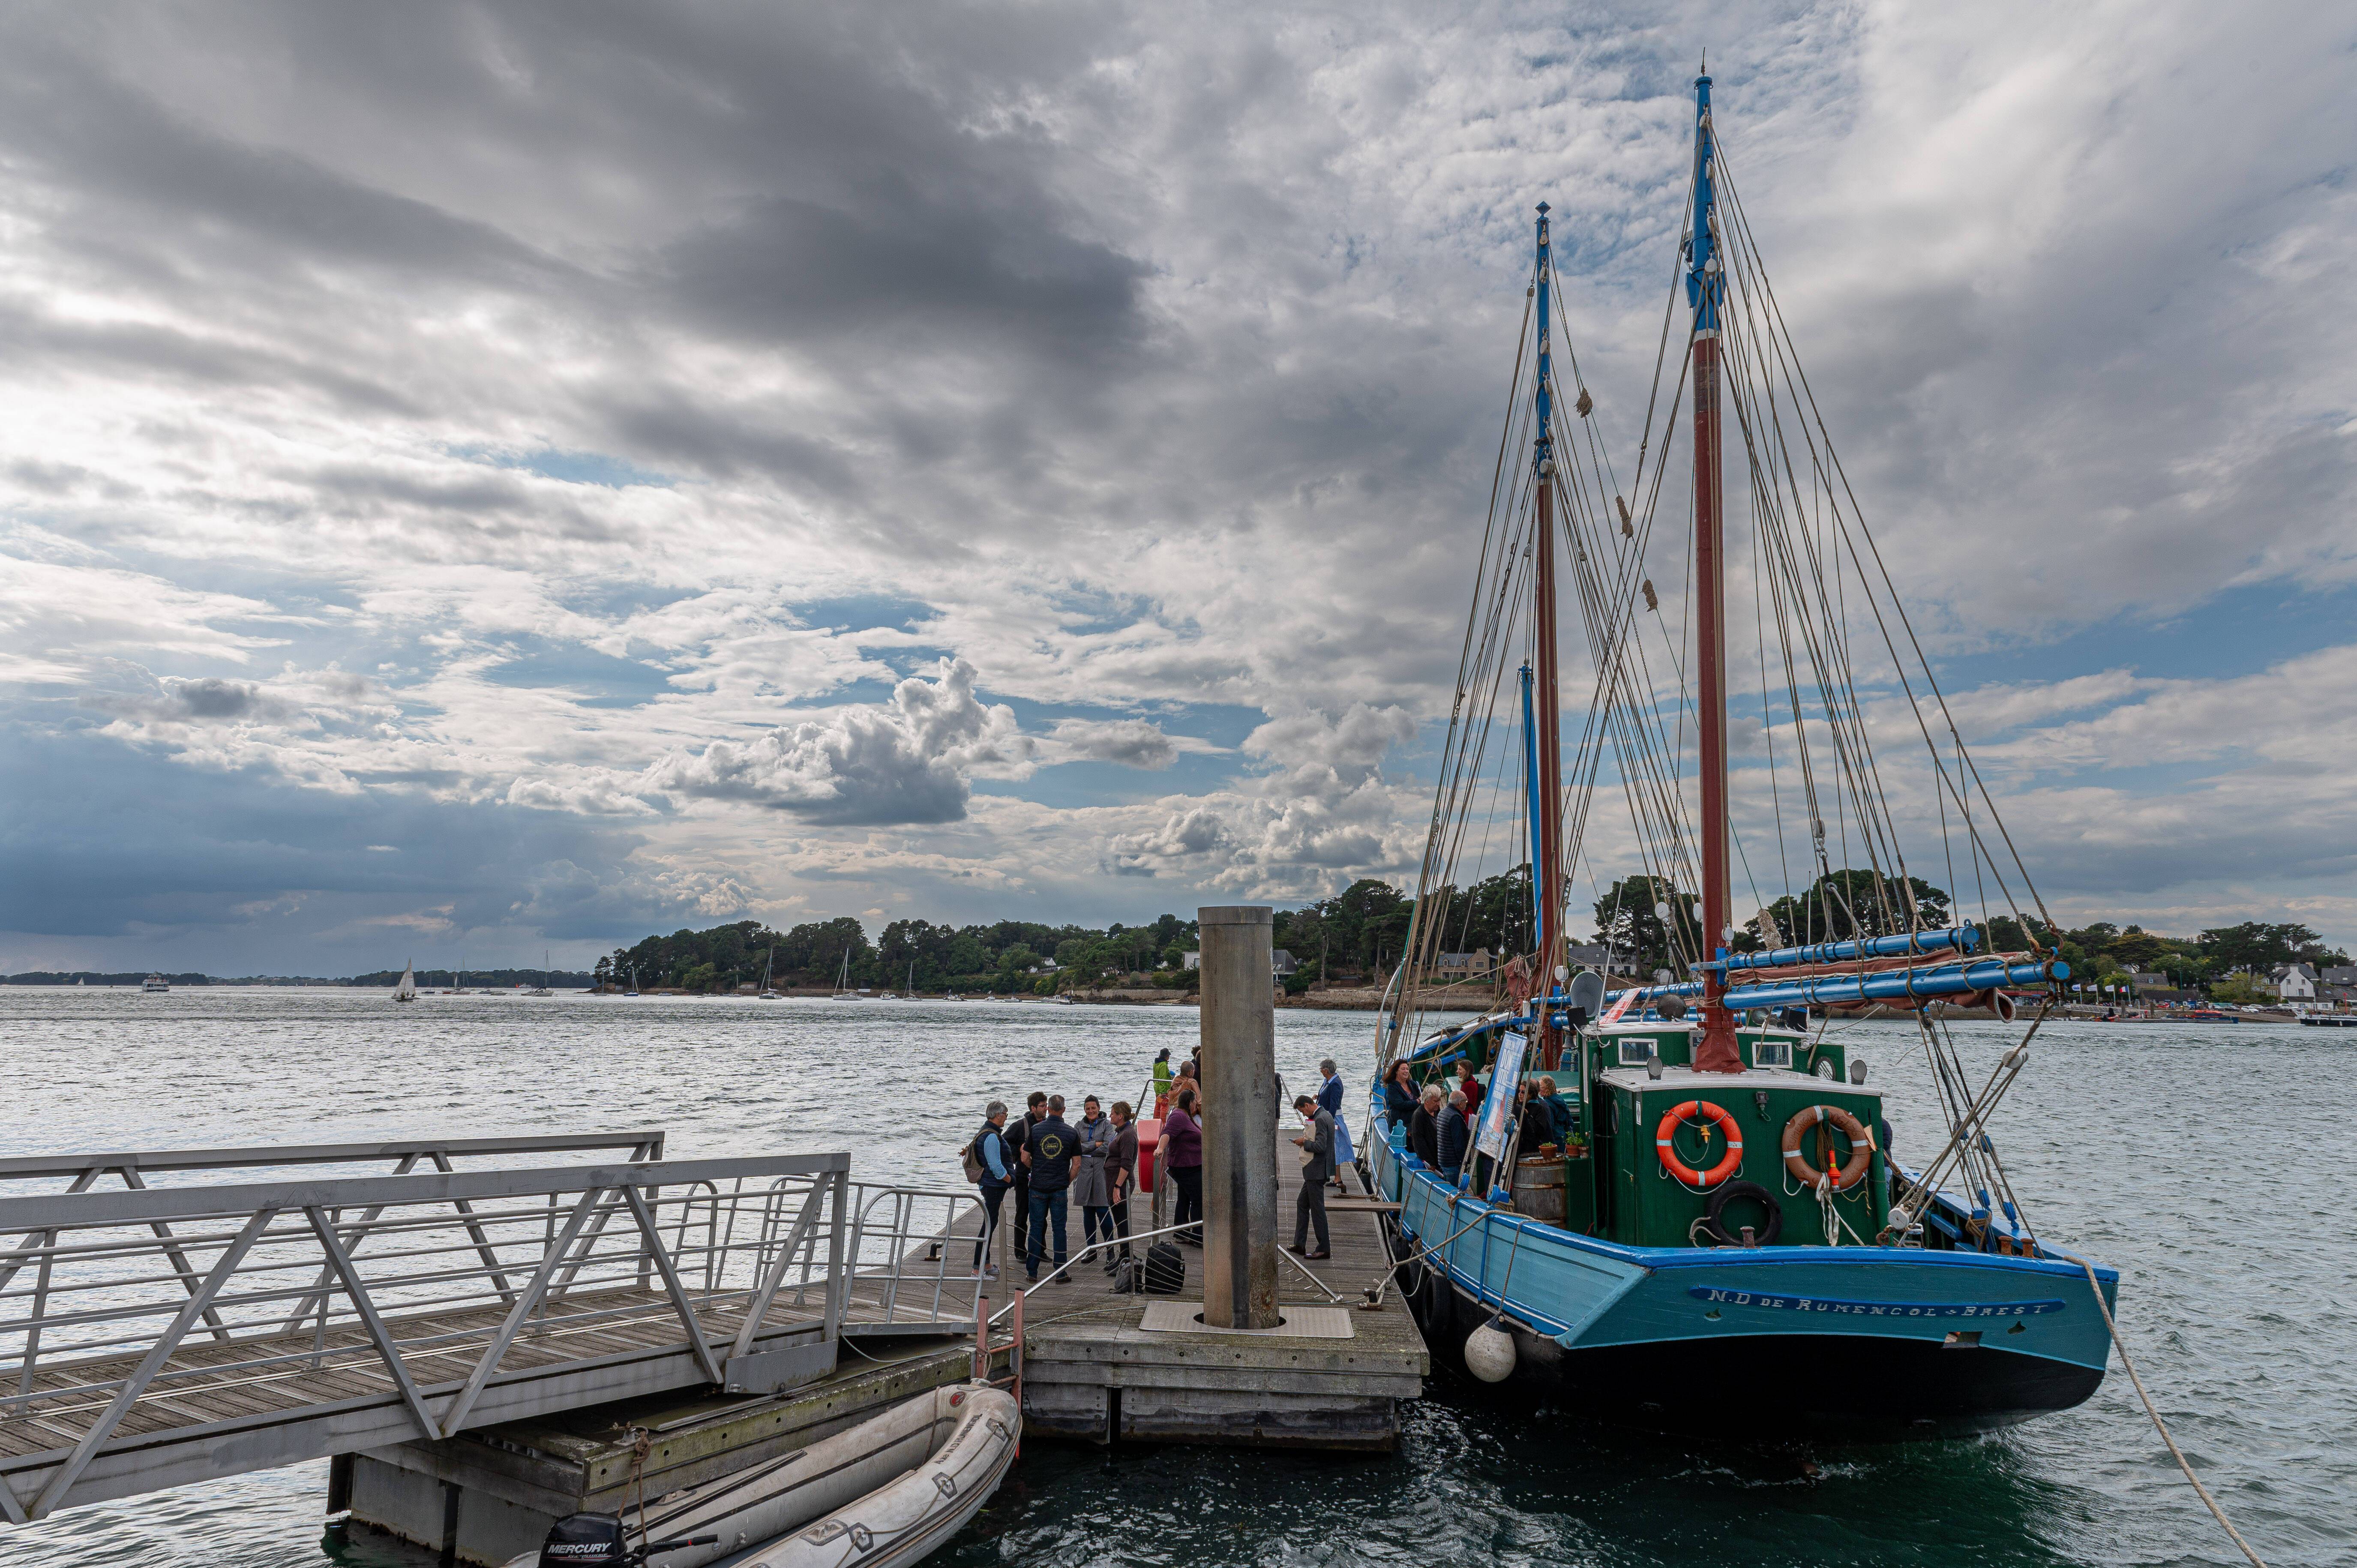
(1353, 934)
(1360, 934)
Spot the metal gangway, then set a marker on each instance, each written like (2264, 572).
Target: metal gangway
(160, 1335)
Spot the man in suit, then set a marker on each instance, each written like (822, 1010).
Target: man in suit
(1316, 1145)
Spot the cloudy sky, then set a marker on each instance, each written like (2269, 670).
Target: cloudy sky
(475, 479)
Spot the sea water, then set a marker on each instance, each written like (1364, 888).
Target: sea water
(2204, 1161)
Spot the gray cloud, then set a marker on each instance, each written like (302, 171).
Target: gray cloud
(1131, 743)
(903, 762)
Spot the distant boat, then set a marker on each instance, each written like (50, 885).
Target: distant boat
(154, 982)
(405, 988)
(633, 990)
(843, 992)
(767, 993)
(542, 988)
(1060, 1000)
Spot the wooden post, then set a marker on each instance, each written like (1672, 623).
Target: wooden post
(1239, 1062)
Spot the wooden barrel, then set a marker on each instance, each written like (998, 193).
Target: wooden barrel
(1538, 1189)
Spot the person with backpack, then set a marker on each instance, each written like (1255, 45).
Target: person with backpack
(1051, 1153)
(990, 1165)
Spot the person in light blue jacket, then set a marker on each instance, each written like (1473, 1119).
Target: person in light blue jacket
(989, 1151)
(1330, 1100)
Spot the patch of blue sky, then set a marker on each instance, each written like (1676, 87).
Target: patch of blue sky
(596, 680)
(2235, 632)
(1074, 784)
(571, 468)
(862, 612)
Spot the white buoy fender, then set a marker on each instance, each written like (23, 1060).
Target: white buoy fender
(1489, 1352)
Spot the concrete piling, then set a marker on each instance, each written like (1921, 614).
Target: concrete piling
(1239, 1062)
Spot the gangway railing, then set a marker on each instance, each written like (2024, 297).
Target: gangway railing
(132, 1167)
(161, 1335)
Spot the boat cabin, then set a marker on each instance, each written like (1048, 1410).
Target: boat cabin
(1662, 1155)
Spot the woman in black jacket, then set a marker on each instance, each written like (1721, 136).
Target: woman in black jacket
(1399, 1095)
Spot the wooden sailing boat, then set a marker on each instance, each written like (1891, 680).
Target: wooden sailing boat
(1715, 1206)
(405, 988)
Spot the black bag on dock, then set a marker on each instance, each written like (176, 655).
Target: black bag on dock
(1165, 1270)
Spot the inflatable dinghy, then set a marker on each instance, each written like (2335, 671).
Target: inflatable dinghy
(883, 1494)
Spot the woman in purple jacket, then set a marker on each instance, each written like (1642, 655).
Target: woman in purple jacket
(1182, 1152)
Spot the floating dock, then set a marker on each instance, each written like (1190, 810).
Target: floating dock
(1102, 1367)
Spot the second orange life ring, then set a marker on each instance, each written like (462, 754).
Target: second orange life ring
(1861, 1147)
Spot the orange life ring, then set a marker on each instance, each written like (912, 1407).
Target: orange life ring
(1728, 1163)
(1861, 1146)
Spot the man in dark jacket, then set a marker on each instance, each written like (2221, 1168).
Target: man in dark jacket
(1316, 1145)
(1424, 1128)
(1537, 1114)
(1051, 1153)
(1456, 1135)
(1019, 1138)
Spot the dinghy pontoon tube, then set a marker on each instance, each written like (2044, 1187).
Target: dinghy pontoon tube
(883, 1494)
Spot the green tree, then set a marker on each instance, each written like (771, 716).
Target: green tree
(2242, 986)
(1850, 903)
(2254, 944)
(1628, 920)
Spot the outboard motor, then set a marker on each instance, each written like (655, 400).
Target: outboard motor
(599, 1540)
(586, 1541)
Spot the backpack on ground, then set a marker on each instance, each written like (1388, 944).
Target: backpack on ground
(1165, 1270)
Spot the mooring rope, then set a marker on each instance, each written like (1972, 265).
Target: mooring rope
(2160, 1425)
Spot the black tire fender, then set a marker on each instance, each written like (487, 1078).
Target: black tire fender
(1727, 1193)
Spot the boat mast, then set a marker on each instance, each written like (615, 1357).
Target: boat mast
(1716, 1050)
(1547, 807)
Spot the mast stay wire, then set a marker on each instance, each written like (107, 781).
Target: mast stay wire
(1780, 335)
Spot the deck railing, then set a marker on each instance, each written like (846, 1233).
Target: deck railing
(409, 1306)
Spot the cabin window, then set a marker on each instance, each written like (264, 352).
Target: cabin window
(1634, 1053)
(1771, 1053)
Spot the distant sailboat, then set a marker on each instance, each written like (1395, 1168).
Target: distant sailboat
(843, 992)
(633, 990)
(405, 988)
(542, 988)
(767, 993)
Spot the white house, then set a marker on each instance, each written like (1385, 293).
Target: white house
(2295, 981)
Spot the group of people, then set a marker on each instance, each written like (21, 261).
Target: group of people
(1440, 1122)
(1051, 1166)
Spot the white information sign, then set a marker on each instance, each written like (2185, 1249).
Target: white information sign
(1499, 1104)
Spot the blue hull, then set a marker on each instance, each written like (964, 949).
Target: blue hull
(1816, 1344)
